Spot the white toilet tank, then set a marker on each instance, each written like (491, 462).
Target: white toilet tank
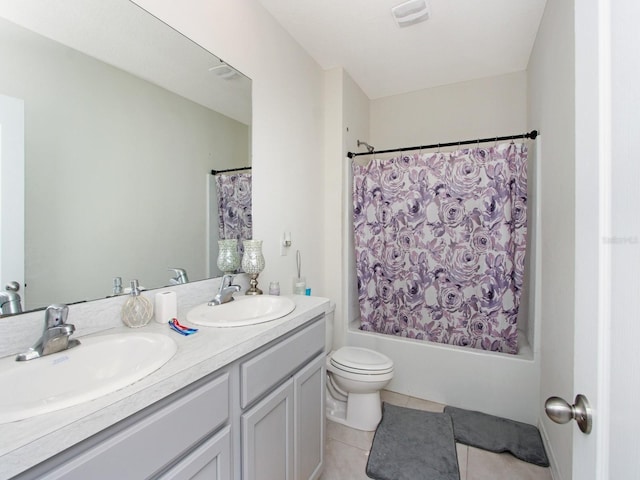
(328, 332)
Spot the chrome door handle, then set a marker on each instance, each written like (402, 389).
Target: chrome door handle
(12, 286)
(559, 410)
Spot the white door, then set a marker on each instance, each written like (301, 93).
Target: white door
(607, 323)
(12, 192)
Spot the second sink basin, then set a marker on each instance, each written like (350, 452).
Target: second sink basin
(98, 366)
(244, 310)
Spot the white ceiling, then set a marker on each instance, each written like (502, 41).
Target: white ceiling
(463, 40)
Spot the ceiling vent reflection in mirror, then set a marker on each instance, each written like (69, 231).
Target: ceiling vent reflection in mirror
(411, 12)
(225, 71)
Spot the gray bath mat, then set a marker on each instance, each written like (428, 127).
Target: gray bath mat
(413, 445)
(498, 435)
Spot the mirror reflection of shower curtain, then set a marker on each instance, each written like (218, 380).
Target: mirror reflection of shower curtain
(440, 245)
(234, 207)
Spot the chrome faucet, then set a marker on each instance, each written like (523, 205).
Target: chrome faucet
(117, 286)
(10, 299)
(225, 292)
(180, 278)
(55, 337)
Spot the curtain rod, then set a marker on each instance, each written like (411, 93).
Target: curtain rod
(532, 135)
(215, 172)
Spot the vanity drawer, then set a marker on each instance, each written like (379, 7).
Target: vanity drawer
(153, 441)
(263, 372)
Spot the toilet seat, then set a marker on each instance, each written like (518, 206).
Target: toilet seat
(361, 361)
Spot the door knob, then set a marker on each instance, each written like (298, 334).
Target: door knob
(559, 410)
(12, 286)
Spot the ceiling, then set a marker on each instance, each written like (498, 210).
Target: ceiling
(462, 40)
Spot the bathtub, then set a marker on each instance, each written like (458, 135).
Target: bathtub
(495, 383)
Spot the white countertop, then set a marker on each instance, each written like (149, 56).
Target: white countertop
(26, 443)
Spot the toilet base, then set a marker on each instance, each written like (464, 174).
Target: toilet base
(361, 411)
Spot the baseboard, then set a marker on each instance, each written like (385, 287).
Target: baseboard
(553, 463)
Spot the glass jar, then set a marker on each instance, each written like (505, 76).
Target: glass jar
(274, 288)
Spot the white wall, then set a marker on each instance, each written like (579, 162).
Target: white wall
(116, 171)
(486, 107)
(346, 121)
(287, 125)
(551, 109)
(333, 161)
(357, 115)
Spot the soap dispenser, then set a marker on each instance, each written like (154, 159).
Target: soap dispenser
(137, 310)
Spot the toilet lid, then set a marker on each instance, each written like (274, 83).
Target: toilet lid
(363, 360)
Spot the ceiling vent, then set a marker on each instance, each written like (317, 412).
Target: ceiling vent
(411, 12)
(225, 71)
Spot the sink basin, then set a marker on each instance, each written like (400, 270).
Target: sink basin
(98, 366)
(244, 310)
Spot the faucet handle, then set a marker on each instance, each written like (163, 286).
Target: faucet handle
(55, 315)
(180, 275)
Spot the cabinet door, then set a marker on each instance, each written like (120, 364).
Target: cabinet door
(267, 437)
(210, 461)
(309, 419)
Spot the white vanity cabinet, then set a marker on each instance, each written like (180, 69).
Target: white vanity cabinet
(283, 433)
(259, 417)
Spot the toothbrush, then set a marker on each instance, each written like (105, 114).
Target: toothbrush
(181, 329)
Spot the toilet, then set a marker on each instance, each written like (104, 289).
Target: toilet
(355, 377)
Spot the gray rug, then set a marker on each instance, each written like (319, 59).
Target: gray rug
(413, 445)
(498, 435)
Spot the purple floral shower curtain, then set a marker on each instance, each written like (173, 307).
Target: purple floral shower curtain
(440, 245)
(234, 207)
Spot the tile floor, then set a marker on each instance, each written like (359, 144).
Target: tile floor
(347, 451)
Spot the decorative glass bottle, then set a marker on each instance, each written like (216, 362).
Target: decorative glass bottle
(137, 310)
(228, 258)
(253, 264)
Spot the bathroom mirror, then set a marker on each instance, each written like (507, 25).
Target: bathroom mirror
(124, 119)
